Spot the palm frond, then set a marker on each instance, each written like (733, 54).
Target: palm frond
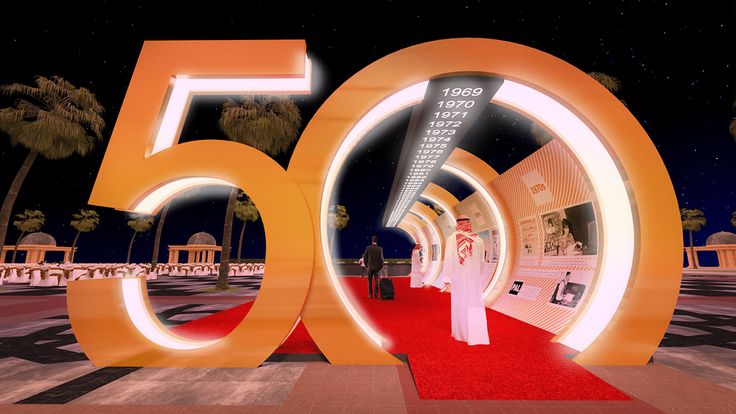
(54, 118)
(268, 123)
(85, 221)
(609, 82)
(29, 221)
(141, 224)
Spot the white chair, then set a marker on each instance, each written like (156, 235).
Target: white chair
(53, 278)
(24, 275)
(162, 269)
(35, 276)
(77, 273)
(176, 270)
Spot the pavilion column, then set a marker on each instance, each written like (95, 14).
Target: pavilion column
(689, 258)
(190, 256)
(171, 256)
(729, 257)
(211, 256)
(726, 257)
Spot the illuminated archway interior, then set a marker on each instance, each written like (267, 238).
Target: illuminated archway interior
(533, 206)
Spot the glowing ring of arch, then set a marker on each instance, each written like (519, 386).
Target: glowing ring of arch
(535, 84)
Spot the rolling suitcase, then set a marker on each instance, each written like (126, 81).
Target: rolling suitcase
(386, 286)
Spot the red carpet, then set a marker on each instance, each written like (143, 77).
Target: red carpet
(520, 363)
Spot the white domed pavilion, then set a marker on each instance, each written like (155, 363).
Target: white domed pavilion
(200, 248)
(36, 245)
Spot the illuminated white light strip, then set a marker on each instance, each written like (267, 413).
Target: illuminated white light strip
(425, 246)
(442, 206)
(185, 87)
(147, 325)
(497, 217)
(157, 197)
(435, 270)
(394, 103)
(616, 218)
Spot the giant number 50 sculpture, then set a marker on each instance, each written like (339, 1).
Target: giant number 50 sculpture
(144, 167)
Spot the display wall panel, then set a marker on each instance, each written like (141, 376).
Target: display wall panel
(446, 225)
(547, 194)
(477, 209)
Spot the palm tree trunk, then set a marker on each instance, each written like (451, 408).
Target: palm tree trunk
(12, 194)
(240, 243)
(74, 244)
(15, 249)
(157, 240)
(692, 251)
(227, 235)
(130, 246)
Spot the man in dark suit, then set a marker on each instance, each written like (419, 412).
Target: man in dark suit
(373, 258)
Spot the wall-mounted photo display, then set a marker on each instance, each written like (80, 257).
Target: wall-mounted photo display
(476, 215)
(570, 288)
(516, 287)
(490, 244)
(570, 231)
(525, 291)
(494, 245)
(485, 235)
(434, 252)
(529, 237)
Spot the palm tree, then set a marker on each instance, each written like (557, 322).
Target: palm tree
(268, 123)
(139, 224)
(160, 226)
(28, 221)
(542, 137)
(53, 119)
(337, 219)
(609, 82)
(157, 239)
(84, 222)
(245, 211)
(692, 220)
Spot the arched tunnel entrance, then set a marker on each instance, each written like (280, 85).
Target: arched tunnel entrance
(599, 174)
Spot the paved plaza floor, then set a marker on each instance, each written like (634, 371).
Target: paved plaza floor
(42, 368)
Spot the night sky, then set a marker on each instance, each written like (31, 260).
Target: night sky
(676, 63)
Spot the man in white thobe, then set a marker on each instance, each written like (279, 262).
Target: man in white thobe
(462, 276)
(416, 267)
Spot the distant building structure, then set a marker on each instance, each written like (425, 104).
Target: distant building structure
(35, 246)
(200, 248)
(723, 243)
